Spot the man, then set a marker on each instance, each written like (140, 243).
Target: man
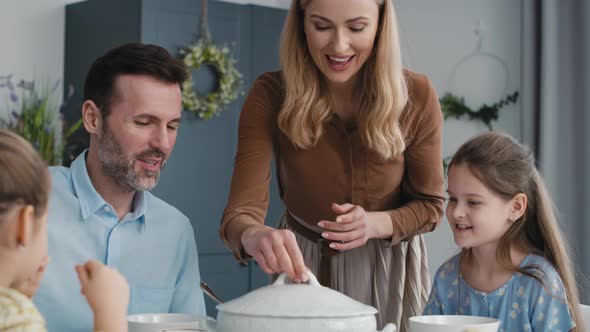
(100, 207)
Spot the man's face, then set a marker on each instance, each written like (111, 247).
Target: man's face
(140, 131)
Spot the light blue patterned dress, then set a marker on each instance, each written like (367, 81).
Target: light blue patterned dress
(522, 304)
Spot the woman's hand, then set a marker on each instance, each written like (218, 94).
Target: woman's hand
(107, 293)
(29, 286)
(354, 226)
(276, 251)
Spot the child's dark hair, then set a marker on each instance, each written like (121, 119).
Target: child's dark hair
(507, 168)
(24, 178)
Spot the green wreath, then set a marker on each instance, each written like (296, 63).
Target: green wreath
(454, 107)
(228, 77)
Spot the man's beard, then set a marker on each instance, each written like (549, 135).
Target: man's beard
(117, 167)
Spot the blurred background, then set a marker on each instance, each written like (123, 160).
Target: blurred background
(480, 50)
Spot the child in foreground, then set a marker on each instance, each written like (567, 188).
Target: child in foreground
(24, 190)
(514, 264)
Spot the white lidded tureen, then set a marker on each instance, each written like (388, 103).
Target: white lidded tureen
(290, 307)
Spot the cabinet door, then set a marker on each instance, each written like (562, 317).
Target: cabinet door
(225, 276)
(198, 174)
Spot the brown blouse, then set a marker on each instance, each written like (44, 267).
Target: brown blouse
(338, 169)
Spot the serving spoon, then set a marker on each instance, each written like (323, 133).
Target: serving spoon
(209, 292)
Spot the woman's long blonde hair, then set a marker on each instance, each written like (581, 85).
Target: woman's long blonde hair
(383, 97)
(507, 168)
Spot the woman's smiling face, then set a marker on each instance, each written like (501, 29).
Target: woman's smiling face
(340, 36)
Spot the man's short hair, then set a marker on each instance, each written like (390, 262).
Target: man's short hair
(130, 59)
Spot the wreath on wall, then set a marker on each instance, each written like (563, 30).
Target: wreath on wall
(229, 79)
(454, 106)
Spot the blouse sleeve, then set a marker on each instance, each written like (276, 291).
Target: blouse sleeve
(442, 299)
(434, 304)
(550, 309)
(249, 192)
(422, 184)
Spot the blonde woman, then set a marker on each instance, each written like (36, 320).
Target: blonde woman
(357, 144)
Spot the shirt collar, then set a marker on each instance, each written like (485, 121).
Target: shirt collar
(91, 201)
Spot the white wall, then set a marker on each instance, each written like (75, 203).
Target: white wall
(435, 35)
(32, 41)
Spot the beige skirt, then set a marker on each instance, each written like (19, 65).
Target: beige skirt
(393, 279)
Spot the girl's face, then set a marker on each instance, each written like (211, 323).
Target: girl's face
(35, 251)
(39, 242)
(477, 216)
(340, 35)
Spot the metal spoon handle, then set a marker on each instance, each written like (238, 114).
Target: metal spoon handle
(210, 293)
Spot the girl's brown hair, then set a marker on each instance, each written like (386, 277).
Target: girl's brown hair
(507, 168)
(384, 92)
(24, 178)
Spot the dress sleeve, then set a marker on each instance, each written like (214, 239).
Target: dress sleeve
(32, 326)
(18, 313)
(550, 309)
(444, 290)
(423, 181)
(249, 192)
(434, 304)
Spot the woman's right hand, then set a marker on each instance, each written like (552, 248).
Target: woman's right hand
(106, 291)
(276, 251)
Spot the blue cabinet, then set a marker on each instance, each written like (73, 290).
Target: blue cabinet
(197, 177)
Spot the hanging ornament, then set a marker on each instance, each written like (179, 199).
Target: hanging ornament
(205, 52)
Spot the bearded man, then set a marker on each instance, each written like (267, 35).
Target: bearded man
(101, 208)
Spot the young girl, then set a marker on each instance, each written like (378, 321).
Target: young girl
(514, 264)
(24, 188)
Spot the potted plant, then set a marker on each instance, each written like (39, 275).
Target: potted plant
(36, 114)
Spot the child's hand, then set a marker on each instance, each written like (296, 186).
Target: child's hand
(29, 286)
(106, 290)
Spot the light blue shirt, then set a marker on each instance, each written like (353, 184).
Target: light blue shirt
(522, 304)
(153, 247)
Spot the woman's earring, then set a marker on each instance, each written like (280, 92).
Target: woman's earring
(21, 247)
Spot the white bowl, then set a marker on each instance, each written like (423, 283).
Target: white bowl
(167, 323)
(452, 323)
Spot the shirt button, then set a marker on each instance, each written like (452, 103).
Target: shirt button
(106, 209)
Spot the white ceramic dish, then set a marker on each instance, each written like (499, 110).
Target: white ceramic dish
(452, 323)
(280, 307)
(288, 307)
(167, 323)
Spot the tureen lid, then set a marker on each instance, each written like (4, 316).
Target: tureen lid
(284, 299)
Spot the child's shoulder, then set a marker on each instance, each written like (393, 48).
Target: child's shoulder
(17, 312)
(546, 280)
(449, 270)
(541, 265)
